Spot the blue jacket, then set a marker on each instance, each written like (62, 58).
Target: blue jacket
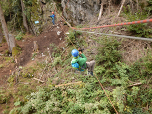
(53, 16)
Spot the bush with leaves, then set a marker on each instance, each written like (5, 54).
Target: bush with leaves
(108, 55)
(142, 29)
(72, 38)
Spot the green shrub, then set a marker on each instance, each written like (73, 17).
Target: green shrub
(141, 30)
(72, 38)
(19, 36)
(141, 68)
(57, 61)
(108, 55)
(56, 50)
(149, 7)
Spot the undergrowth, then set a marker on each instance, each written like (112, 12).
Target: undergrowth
(142, 29)
(87, 97)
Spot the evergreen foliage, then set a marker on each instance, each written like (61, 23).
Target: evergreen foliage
(88, 97)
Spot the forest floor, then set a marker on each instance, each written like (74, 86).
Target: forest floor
(50, 35)
(54, 34)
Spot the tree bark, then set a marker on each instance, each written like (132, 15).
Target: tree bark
(1, 35)
(24, 17)
(137, 5)
(4, 26)
(12, 41)
(109, 8)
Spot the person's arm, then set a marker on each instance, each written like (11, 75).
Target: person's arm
(83, 56)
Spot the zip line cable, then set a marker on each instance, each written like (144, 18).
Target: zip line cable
(123, 36)
(119, 24)
(95, 75)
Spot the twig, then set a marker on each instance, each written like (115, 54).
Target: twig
(135, 84)
(69, 84)
(38, 80)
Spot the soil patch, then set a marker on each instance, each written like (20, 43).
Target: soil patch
(54, 34)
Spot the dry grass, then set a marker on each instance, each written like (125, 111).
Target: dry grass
(133, 50)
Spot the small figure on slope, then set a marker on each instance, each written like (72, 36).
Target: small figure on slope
(53, 18)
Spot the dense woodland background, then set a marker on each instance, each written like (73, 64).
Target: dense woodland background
(35, 70)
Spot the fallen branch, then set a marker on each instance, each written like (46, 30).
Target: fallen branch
(69, 84)
(135, 84)
(101, 10)
(38, 80)
(121, 8)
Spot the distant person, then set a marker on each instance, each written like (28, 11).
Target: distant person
(79, 62)
(53, 18)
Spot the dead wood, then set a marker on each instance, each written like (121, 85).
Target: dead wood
(136, 84)
(38, 80)
(35, 46)
(121, 8)
(101, 10)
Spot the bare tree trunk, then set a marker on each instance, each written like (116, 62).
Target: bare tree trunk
(132, 7)
(137, 5)
(121, 8)
(101, 10)
(1, 35)
(12, 41)
(24, 17)
(4, 26)
(109, 8)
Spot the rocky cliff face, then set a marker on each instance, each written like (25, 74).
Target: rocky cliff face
(80, 11)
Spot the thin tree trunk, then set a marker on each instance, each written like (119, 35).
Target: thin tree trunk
(24, 17)
(137, 5)
(4, 26)
(1, 35)
(121, 8)
(101, 10)
(132, 7)
(109, 8)
(12, 41)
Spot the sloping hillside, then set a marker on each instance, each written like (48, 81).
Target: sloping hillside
(43, 81)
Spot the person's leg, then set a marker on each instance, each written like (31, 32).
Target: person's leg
(90, 66)
(53, 21)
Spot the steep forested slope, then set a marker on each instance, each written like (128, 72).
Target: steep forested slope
(43, 81)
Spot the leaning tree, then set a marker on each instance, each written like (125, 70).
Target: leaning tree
(9, 38)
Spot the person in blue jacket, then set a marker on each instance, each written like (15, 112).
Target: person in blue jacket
(79, 61)
(53, 18)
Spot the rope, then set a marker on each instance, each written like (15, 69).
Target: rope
(119, 24)
(95, 75)
(123, 36)
(106, 94)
